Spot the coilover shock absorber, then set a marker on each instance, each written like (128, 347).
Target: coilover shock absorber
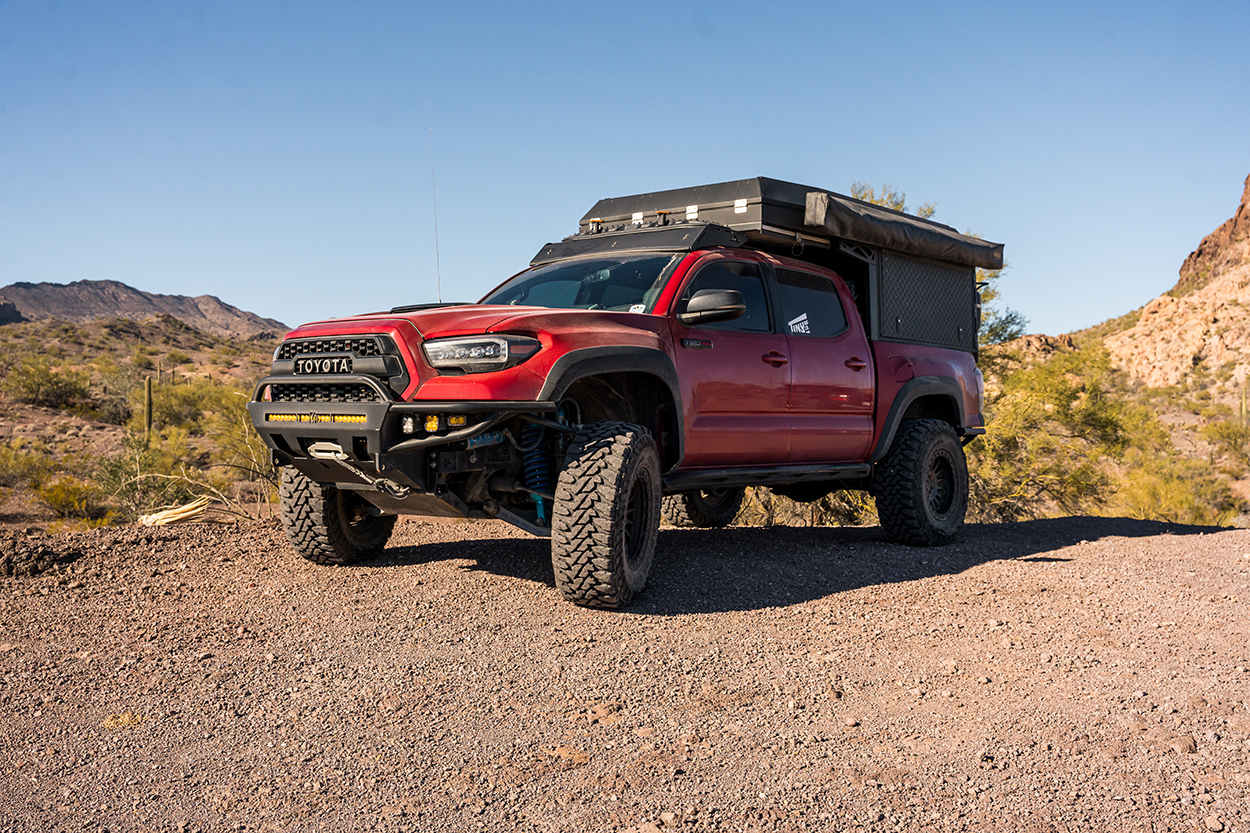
(537, 463)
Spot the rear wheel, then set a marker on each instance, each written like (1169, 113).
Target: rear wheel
(922, 484)
(328, 525)
(606, 514)
(707, 508)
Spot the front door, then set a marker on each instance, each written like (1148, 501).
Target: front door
(735, 375)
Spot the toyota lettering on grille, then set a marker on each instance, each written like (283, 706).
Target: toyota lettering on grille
(328, 364)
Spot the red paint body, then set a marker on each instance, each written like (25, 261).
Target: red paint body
(750, 399)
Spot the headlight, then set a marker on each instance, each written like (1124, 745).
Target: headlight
(479, 354)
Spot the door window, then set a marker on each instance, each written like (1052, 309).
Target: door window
(747, 279)
(810, 304)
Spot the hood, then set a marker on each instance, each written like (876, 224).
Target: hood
(452, 320)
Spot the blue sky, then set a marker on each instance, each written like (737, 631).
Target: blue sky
(278, 155)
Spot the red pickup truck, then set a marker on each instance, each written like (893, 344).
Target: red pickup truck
(687, 343)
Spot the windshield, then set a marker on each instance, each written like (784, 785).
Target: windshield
(626, 283)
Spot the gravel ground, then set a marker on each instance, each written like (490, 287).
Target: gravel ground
(1076, 674)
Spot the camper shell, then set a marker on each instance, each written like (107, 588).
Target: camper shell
(914, 280)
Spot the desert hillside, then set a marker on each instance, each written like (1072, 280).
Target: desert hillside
(1204, 321)
(83, 301)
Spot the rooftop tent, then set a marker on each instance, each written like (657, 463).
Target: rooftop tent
(770, 210)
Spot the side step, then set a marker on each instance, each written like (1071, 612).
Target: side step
(686, 481)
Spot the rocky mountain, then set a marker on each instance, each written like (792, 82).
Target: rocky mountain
(1204, 321)
(83, 301)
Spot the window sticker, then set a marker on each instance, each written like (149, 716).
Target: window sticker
(638, 308)
(800, 325)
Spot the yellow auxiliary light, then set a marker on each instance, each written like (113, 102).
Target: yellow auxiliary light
(457, 421)
(431, 423)
(352, 419)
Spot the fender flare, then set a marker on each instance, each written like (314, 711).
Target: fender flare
(942, 386)
(597, 361)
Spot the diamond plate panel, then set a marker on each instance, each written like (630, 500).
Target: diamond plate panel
(927, 302)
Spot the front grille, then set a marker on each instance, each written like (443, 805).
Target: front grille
(366, 346)
(323, 392)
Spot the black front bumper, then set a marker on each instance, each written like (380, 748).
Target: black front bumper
(336, 442)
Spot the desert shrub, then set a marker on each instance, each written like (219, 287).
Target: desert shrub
(113, 392)
(69, 497)
(177, 357)
(1231, 437)
(35, 381)
(238, 452)
(150, 473)
(67, 525)
(1050, 428)
(763, 507)
(183, 405)
(21, 467)
(1169, 488)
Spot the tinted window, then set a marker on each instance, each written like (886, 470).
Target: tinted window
(744, 277)
(622, 282)
(810, 304)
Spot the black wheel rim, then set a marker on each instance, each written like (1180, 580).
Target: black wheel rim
(637, 517)
(355, 515)
(939, 484)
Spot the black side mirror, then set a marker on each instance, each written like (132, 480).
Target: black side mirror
(709, 306)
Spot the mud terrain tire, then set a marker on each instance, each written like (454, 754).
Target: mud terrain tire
(707, 508)
(328, 525)
(922, 484)
(606, 515)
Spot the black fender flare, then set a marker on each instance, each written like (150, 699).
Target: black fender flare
(597, 361)
(943, 386)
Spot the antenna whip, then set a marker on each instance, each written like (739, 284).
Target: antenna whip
(438, 274)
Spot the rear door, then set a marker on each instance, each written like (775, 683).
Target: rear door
(735, 375)
(831, 373)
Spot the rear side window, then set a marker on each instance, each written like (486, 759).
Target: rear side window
(744, 277)
(810, 304)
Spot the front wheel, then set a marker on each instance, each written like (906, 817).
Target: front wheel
(922, 484)
(328, 525)
(606, 515)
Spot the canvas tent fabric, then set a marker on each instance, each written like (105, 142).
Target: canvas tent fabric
(872, 225)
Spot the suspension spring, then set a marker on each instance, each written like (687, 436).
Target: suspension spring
(537, 466)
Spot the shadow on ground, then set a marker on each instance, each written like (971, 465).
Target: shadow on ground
(752, 568)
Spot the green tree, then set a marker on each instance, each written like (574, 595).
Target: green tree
(890, 197)
(1051, 428)
(997, 324)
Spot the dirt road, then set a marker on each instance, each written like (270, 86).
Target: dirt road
(1078, 674)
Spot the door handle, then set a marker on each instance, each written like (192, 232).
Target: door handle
(856, 363)
(774, 358)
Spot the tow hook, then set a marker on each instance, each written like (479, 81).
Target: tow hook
(333, 451)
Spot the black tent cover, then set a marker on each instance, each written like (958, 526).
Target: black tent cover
(750, 204)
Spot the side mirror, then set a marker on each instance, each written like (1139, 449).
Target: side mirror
(709, 306)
